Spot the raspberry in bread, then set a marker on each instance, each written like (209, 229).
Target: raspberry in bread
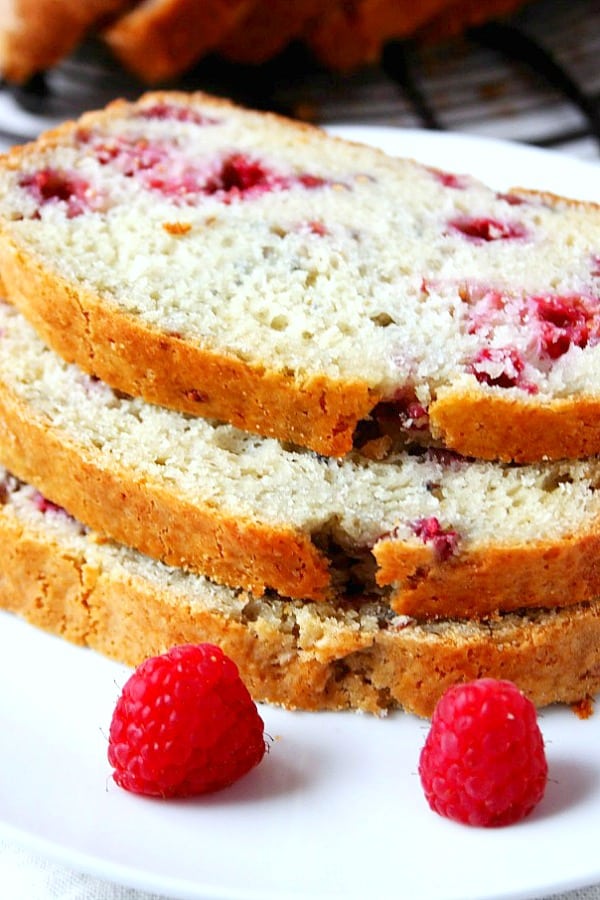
(243, 267)
(36, 34)
(160, 39)
(66, 580)
(432, 533)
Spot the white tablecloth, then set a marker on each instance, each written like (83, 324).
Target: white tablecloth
(24, 876)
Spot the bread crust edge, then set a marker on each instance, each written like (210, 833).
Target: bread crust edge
(139, 511)
(123, 616)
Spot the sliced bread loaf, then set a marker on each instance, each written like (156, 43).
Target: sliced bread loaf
(433, 533)
(243, 267)
(65, 579)
(351, 33)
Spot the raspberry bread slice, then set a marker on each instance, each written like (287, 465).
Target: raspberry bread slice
(160, 39)
(246, 268)
(430, 532)
(347, 654)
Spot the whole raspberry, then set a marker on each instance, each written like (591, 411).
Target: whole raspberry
(483, 762)
(184, 724)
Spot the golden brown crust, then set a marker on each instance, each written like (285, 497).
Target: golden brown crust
(318, 413)
(164, 369)
(167, 370)
(551, 660)
(549, 198)
(39, 33)
(146, 515)
(555, 658)
(493, 426)
(485, 580)
(160, 39)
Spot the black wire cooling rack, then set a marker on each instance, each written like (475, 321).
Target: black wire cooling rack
(534, 78)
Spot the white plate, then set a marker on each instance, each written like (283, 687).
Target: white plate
(336, 809)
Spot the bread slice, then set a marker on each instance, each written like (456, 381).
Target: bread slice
(159, 39)
(65, 579)
(37, 34)
(247, 268)
(433, 534)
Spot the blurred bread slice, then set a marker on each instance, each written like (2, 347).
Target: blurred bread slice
(37, 34)
(159, 39)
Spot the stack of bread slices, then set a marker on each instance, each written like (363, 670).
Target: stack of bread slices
(334, 411)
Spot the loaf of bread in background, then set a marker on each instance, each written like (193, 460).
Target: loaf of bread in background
(158, 40)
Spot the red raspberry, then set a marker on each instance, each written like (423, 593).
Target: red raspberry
(54, 186)
(184, 724)
(483, 762)
(485, 229)
(444, 543)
